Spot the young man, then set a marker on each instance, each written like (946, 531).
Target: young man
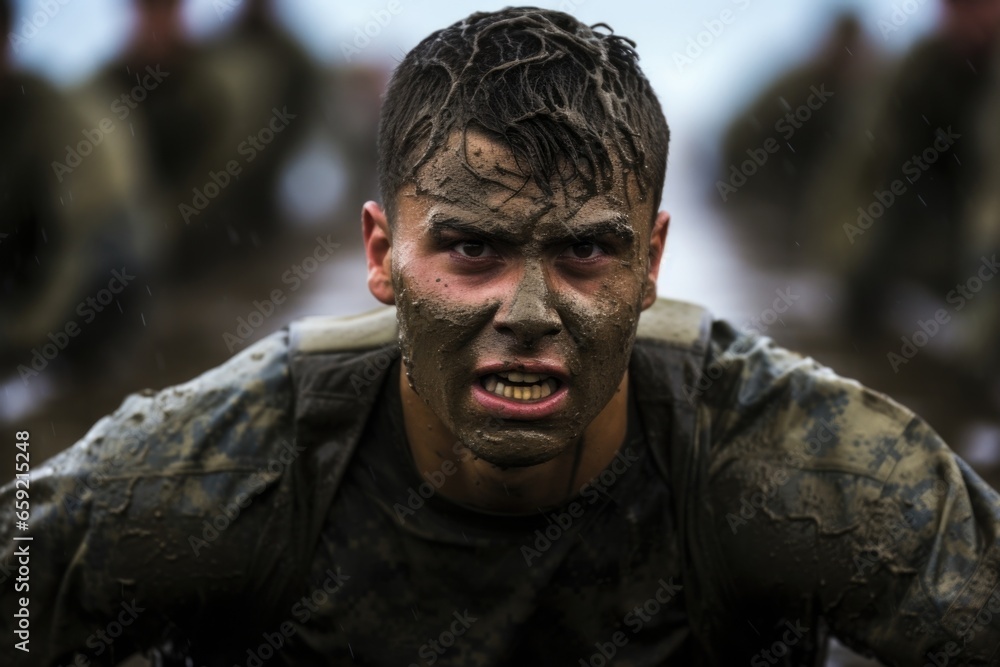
(511, 467)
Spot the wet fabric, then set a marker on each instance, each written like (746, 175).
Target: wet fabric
(445, 584)
(211, 520)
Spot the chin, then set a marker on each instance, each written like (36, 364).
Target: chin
(517, 450)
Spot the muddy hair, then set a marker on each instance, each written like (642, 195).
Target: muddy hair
(557, 92)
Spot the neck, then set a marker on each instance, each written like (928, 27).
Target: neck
(474, 482)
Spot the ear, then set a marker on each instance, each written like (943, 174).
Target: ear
(378, 250)
(657, 243)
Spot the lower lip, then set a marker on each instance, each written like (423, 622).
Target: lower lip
(506, 408)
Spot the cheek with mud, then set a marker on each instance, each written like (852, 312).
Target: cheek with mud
(437, 339)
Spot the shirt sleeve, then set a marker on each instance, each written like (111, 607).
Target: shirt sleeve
(835, 505)
(173, 501)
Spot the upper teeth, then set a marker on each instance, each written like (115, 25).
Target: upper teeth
(515, 376)
(538, 386)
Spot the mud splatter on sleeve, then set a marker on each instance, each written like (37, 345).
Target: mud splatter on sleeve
(838, 507)
(172, 502)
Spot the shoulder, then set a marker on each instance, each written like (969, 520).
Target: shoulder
(219, 420)
(767, 402)
(800, 456)
(178, 453)
(179, 495)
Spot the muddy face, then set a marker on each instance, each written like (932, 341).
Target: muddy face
(515, 306)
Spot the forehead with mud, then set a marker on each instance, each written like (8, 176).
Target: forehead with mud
(568, 100)
(481, 176)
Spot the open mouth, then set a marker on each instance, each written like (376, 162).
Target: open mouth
(518, 386)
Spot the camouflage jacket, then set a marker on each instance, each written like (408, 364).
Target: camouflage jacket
(189, 521)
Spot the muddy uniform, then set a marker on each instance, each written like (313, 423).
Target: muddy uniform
(269, 511)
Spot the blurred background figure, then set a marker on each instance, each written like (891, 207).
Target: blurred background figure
(924, 238)
(924, 220)
(881, 205)
(332, 121)
(266, 89)
(169, 205)
(778, 152)
(68, 219)
(182, 121)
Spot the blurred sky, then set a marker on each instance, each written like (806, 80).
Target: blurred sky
(763, 38)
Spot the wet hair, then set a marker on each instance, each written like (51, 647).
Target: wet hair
(554, 90)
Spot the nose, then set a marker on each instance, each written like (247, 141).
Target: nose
(528, 314)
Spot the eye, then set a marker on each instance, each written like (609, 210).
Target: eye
(583, 250)
(473, 249)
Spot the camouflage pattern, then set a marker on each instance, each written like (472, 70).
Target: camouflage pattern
(268, 513)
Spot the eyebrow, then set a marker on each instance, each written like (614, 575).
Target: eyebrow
(616, 226)
(441, 223)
